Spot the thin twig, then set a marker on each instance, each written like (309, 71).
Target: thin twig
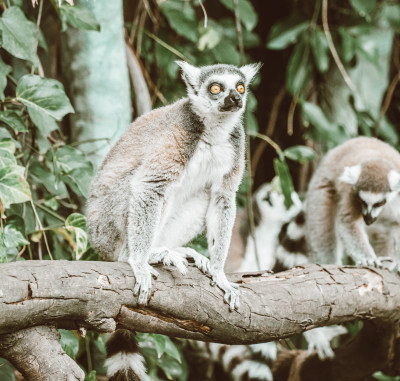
(274, 145)
(333, 50)
(290, 119)
(135, 23)
(204, 12)
(44, 234)
(269, 129)
(239, 33)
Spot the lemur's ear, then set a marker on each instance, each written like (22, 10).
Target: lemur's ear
(190, 75)
(394, 180)
(250, 71)
(350, 175)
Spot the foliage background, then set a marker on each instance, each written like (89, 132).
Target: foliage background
(330, 71)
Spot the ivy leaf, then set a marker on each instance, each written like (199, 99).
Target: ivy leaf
(7, 149)
(18, 34)
(79, 17)
(45, 124)
(4, 70)
(14, 232)
(301, 154)
(348, 45)
(210, 39)
(74, 168)
(69, 343)
(13, 186)
(76, 220)
(91, 376)
(44, 95)
(248, 16)
(286, 33)
(181, 17)
(13, 119)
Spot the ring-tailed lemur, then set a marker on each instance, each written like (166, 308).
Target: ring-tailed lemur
(356, 183)
(173, 174)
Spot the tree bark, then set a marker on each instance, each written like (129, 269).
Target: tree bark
(98, 296)
(36, 352)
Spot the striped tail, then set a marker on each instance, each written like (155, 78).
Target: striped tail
(124, 362)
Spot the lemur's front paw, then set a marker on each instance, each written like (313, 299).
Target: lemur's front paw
(319, 340)
(169, 257)
(143, 274)
(379, 262)
(231, 290)
(200, 261)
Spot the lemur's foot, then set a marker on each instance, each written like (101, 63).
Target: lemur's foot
(200, 261)
(143, 274)
(319, 340)
(231, 290)
(379, 262)
(169, 257)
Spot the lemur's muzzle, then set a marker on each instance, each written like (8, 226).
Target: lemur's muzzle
(232, 102)
(368, 219)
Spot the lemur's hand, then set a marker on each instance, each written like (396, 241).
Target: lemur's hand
(143, 274)
(231, 290)
(379, 262)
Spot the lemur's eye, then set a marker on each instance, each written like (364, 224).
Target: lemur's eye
(215, 88)
(380, 203)
(240, 88)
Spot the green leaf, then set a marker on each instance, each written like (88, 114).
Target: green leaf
(69, 343)
(7, 372)
(181, 17)
(79, 17)
(13, 186)
(382, 377)
(13, 119)
(209, 39)
(315, 116)
(91, 376)
(45, 125)
(299, 69)
(44, 95)
(227, 53)
(301, 154)
(14, 232)
(391, 14)
(247, 15)
(76, 220)
(4, 70)
(348, 45)
(18, 34)
(7, 149)
(74, 168)
(282, 171)
(40, 174)
(286, 33)
(320, 49)
(363, 7)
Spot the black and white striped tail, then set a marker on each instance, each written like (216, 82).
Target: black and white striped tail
(124, 362)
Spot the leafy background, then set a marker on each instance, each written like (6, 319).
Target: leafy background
(331, 71)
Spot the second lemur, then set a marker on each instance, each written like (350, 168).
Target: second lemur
(172, 175)
(355, 184)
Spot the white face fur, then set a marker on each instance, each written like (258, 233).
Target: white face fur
(218, 90)
(372, 203)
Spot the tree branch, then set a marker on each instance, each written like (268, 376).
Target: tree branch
(98, 296)
(36, 352)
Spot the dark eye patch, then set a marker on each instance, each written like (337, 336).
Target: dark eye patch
(380, 203)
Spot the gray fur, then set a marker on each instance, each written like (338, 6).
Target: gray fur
(174, 173)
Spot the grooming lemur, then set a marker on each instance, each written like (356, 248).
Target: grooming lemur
(356, 183)
(173, 174)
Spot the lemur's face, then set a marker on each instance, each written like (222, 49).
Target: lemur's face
(372, 204)
(218, 89)
(224, 93)
(372, 188)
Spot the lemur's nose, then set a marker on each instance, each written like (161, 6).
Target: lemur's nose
(234, 98)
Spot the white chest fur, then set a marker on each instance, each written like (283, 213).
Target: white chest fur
(207, 167)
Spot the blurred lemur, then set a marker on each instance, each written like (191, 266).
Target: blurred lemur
(356, 184)
(173, 174)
